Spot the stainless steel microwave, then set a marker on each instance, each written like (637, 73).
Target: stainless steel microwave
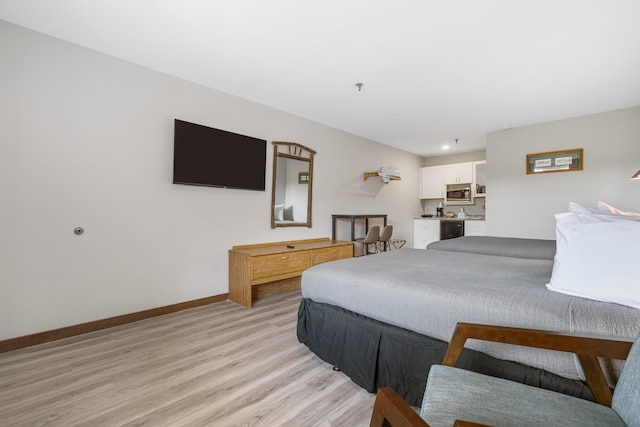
(458, 194)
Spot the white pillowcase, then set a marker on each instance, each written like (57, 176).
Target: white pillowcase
(576, 208)
(597, 255)
(601, 209)
(279, 212)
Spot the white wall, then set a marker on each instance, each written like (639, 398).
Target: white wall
(87, 140)
(522, 205)
(472, 156)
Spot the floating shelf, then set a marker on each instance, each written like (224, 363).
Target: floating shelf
(385, 178)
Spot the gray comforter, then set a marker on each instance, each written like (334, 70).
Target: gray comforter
(430, 291)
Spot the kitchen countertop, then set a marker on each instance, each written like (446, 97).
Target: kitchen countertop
(468, 218)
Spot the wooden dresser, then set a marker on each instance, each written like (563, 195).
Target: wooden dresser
(269, 268)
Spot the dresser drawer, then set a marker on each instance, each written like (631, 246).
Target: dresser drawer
(265, 269)
(272, 265)
(332, 254)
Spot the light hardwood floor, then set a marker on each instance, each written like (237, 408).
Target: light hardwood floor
(216, 365)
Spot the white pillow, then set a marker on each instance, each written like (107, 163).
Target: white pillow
(279, 212)
(576, 208)
(606, 209)
(602, 209)
(597, 256)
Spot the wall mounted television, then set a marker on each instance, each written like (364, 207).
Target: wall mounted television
(216, 158)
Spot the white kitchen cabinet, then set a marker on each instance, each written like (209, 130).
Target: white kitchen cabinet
(474, 228)
(458, 173)
(480, 179)
(432, 182)
(425, 231)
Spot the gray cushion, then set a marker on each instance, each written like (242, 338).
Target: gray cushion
(454, 393)
(501, 246)
(288, 213)
(626, 398)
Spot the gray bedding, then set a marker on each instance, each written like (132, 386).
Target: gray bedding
(429, 291)
(501, 246)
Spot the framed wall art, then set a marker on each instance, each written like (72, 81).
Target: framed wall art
(555, 161)
(303, 177)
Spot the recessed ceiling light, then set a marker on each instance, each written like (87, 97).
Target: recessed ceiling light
(445, 147)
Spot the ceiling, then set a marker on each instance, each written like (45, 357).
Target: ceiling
(432, 70)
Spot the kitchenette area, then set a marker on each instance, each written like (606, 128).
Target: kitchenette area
(453, 199)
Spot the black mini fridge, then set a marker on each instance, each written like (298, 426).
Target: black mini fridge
(450, 229)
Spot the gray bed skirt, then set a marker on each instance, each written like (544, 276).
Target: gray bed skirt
(374, 354)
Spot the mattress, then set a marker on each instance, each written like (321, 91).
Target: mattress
(429, 291)
(512, 247)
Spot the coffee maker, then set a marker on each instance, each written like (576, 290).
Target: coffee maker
(439, 212)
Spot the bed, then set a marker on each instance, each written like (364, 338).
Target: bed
(385, 319)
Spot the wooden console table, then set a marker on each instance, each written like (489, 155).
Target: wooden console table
(268, 268)
(353, 219)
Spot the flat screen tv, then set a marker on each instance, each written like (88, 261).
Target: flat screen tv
(217, 158)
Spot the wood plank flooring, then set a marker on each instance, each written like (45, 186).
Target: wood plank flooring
(216, 365)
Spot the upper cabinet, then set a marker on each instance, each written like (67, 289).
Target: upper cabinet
(432, 182)
(434, 179)
(458, 173)
(480, 178)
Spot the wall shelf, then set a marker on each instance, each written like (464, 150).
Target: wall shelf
(385, 178)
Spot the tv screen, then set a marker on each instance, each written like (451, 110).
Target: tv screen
(217, 158)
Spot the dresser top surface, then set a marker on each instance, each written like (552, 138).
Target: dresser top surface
(282, 247)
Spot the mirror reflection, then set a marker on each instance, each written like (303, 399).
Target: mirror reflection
(292, 184)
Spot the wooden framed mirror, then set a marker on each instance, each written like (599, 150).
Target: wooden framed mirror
(292, 185)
